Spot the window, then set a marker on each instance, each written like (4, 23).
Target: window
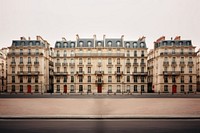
(190, 88)
(142, 60)
(72, 88)
(118, 78)
(135, 53)
(13, 59)
(142, 79)
(58, 69)
(89, 61)
(109, 70)
(128, 69)
(128, 79)
(58, 53)
(109, 79)
(21, 51)
(182, 88)
(182, 79)
(36, 59)
(80, 88)
(65, 79)
(80, 79)
(21, 60)
(118, 88)
(65, 53)
(13, 88)
(109, 88)
(166, 88)
(89, 88)
(89, 79)
(36, 79)
(21, 79)
(118, 61)
(173, 79)
(166, 79)
(142, 53)
(13, 79)
(190, 80)
(173, 51)
(36, 88)
(29, 51)
(135, 69)
(128, 88)
(182, 69)
(58, 88)
(109, 61)
(135, 88)
(142, 88)
(21, 88)
(58, 79)
(29, 79)
(118, 69)
(29, 60)
(13, 69)
(142, 69)
(135, 79)
(190, 69)
(80, 61)
(89, 69)
(128, 53)
(36, 51)
(72, 70)
(80, 69)
(65, 69)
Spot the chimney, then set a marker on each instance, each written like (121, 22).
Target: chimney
(104, 40)
(95, 37)
(162, 38)
(22, 38)
(122, 39)
(63, 39)
(39, 38)
(177, 38)
(142, 38)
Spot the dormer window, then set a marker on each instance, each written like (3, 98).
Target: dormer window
(118, 43)
(37, 43)
(135, 44)
(172, 43)
(81, 44)
(89, 43)
(181, 43)
(127, 44)
(109, 43)
(22, 43)
(72, 44)
(142, 44)
(164, 43)
(65, 44)
(30, 43)
(99, 43)
(188, 43)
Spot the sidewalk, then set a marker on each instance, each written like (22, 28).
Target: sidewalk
(100, 108)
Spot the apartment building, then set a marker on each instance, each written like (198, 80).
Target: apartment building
(28, 66)
(198, 70)
(3, 69)
(172, 66)
(106, 65)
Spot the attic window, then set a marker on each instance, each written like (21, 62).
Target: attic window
(128, 44)
(135, 44)
(142, 44)
(172, 43)
(99, 43)
(22, 43)
(118, 43)
(65, 44)
(81, 43)
(164, 43)
(37, 43)
(30, 43)
(89, 43)
(72, 44)
(181, 43)
(109, 43)
(188, 43)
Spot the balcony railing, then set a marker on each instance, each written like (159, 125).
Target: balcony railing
(171, 72)
(99, 73)
(28, 72)
(173, 63)
(99, 81)
(64, 64)
(24, 53)
(165, 63)
(57, 64)
(72, 64)
(36, 63)
(118, 73)
(100, 54)
(182, 63)
(142, 64)
(139, 73)
(13, 63)
(80, 72)
(177, 53)
(60, 73)
(135, 64)
(128, 63)
(190, 63)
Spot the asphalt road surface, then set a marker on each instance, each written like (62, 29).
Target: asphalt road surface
(100, 126)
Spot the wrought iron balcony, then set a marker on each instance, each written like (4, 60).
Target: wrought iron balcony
(171, 72)
(190, 63)
(72, 64)
(135, 64)
(99, 81)
(57, 64)
(139, 73)
(80, 73)
(60, 73)
(64, 64)
(36, 63)
(100, 54)
(128, 63)
(143, 64)
(118, 73)
(182, 63)
(13, 63)
(165, 63)
(26, 73)
(99, 73)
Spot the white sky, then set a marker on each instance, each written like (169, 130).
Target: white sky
(54, 19)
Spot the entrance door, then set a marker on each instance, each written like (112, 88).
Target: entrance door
(99, 88)
(174, 88)
(29, 88)
(65, 88)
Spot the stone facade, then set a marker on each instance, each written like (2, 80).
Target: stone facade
(172, 66)
(108, 65)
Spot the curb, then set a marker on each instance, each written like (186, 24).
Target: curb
(98, 117)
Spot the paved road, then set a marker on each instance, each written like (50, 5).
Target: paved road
(101, 126)
(134, 95)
